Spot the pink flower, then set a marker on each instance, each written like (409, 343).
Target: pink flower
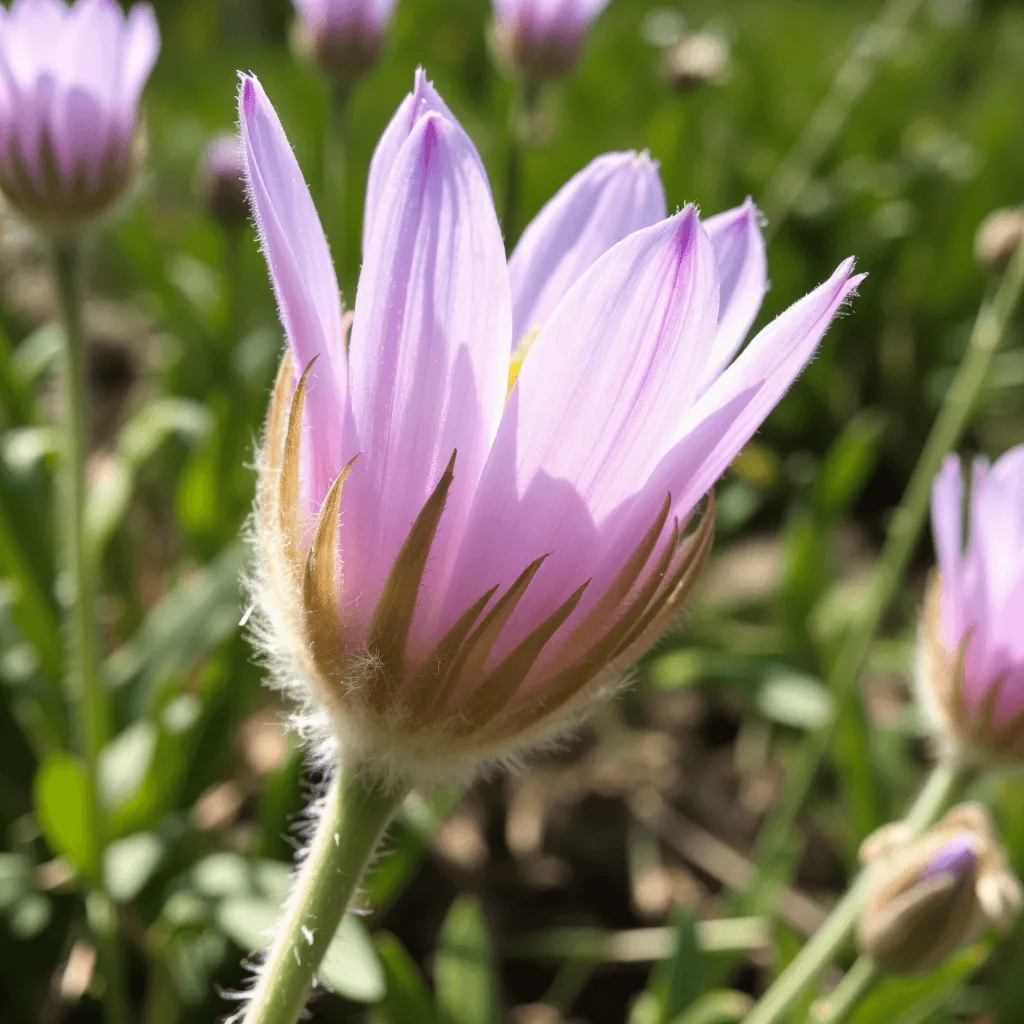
(973, 650)
(345, 37)
(455, 566)
(543, 38)
(70, 83)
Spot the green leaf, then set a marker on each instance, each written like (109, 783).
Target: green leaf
(124, 763)
(407, 999)
(916, 1000)
(350, 966)
(129, 864)
(722, 1006)
(63, 808)
(849, 463)
(464, 976)
(199, 613)
(679, 979)
(796, 700)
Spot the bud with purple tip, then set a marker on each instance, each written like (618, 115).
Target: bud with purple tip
(70, 83)
(928, 896)
(971, 652)
(221, 181)
(344, 37)
(542, 39)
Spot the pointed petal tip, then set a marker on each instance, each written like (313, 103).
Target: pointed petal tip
(247, 94)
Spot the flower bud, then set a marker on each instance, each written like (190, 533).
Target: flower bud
(221, 181)
(999, 237)
(343, 37)
(543, 40)
(696, 59)
(928, 896)
(971, 652)
(69, 97)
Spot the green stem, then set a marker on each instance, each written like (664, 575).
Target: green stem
(868, 49)
(848, 993)
(945, 782)
(523, 109)
(901, 538)
(356, 812)
(86, 694)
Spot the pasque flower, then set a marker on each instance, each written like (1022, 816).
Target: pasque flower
(543, 38)
(931, 894)
(221, 181)
(70, 83)
(971, 670)
(453, 564)
(345, 37)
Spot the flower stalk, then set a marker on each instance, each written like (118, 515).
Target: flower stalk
(85, 692)
(356, 811)
(524, 108)
(945, 783)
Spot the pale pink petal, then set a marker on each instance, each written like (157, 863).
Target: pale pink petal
(140, 49)
(613, 196)
(302, 274)
(743, 278)
(600, 395)
(750, 388)
(429, 355)
(424, 99)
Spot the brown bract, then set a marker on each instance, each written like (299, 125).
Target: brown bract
(978, 734)
(442, 715)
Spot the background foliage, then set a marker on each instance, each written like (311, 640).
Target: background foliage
(616, 864)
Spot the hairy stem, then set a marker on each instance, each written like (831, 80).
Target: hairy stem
(944, 784)
(356, 811)
(86, 694)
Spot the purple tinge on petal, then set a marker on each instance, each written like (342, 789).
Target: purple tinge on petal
(958, 858)
(743, 277)
(304, 282)
(613, 196)
(991, 588)
(601, 389)
(141, 45)
(429, 356)
(424, 99)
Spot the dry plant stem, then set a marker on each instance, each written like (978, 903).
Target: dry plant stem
(904, 531)
(869, 48)
(356, 812)
(524, 107)
(86, 694)
(841, 1003)
(943, 786)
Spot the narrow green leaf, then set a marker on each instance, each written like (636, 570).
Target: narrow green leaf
(465, 982)
(63, 799)
(679, 979)
(407, 999)
(722, 1006)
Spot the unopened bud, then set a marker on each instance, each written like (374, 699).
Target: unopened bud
(221, 181)
(970, 661)
(999, 237)
(696, 59)
(343, 37)
(928, 896)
